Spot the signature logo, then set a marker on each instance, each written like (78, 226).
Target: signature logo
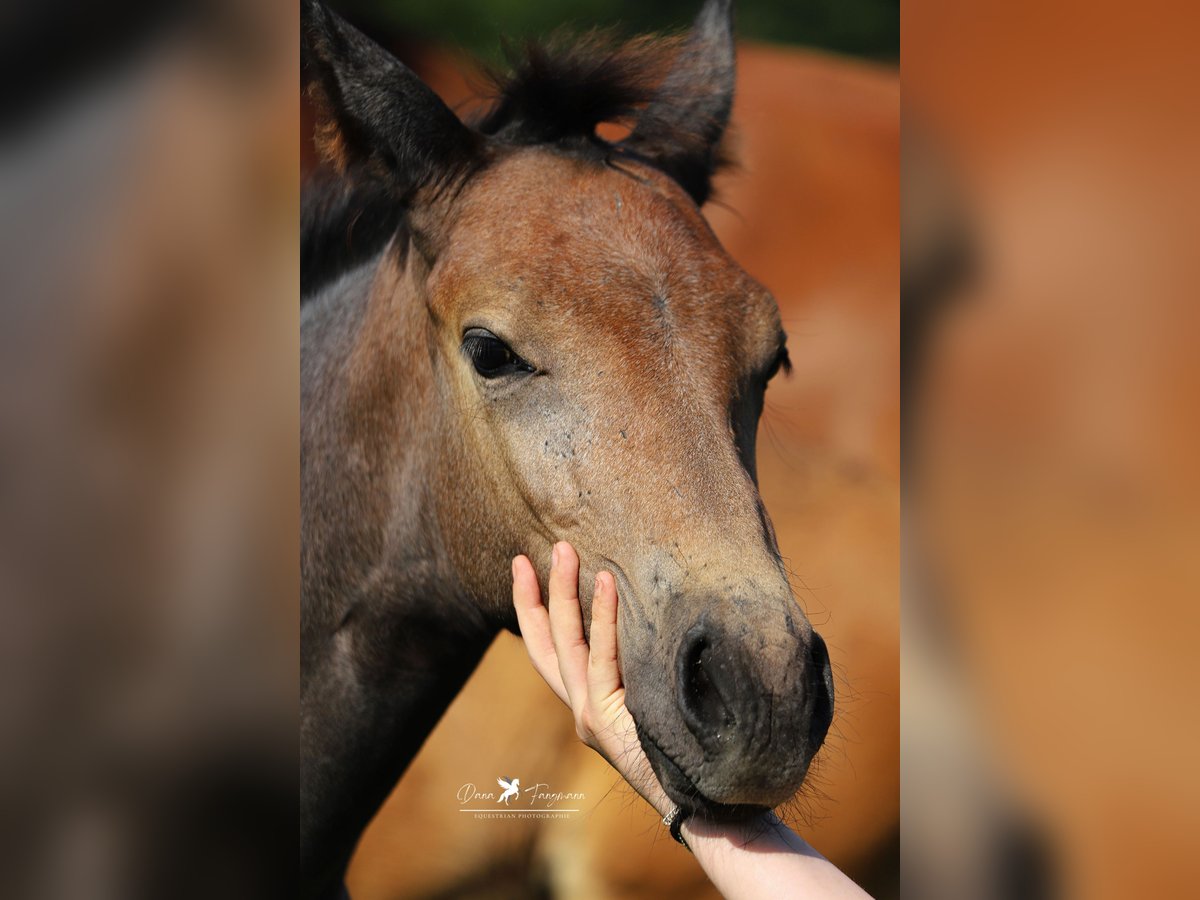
(511, 789)
(537, 800)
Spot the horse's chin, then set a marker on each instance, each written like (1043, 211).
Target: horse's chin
(684, 792)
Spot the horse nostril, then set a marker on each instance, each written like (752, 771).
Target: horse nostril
(704, 679)
(820, 681)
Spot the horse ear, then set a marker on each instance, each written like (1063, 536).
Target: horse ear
(375, 112)
(681, 129)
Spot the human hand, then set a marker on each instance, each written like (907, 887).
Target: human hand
(586, 678)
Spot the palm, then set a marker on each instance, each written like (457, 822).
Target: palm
(585, 677)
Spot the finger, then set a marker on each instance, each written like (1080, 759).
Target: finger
(535, 625)
(566, 622)
(604, 677)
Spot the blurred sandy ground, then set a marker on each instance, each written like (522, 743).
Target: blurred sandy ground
(148, 465)
(1052, 571)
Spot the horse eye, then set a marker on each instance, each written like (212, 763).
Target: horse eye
(490, 356)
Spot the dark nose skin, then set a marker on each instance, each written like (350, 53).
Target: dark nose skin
(708, 685)
(820, 683)
(720, 696)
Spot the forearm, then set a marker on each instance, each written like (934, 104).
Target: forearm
(764, 858)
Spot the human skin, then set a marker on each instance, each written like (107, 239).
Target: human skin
(751, 859)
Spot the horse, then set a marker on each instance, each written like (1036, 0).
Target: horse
(516, 332)
(812, 175)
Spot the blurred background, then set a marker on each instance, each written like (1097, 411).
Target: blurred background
(811, 210)
(1052, 426)
(148, 450)
(866, 28)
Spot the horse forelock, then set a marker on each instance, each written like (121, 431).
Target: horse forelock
(558, 92)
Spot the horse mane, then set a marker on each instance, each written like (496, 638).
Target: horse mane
(559, 91)
(553, 94)
(344, 222)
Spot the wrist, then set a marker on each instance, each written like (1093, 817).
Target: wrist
(764, 830)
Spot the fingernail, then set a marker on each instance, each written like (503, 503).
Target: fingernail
(554, 555)
(514, 568)
(597, 582)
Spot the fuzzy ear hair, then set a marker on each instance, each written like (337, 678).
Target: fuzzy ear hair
(681, 129)
(375, 112)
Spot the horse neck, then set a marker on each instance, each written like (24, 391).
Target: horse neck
(387, 634)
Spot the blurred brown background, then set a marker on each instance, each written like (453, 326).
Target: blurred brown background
(1055, 444)
(148, 465)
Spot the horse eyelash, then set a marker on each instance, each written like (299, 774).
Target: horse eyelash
(783, 363)
(474, 345)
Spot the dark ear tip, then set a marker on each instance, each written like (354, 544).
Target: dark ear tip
(313, 23)
(319, 25)
(311, 15)
(717, 14)
(714, 28)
